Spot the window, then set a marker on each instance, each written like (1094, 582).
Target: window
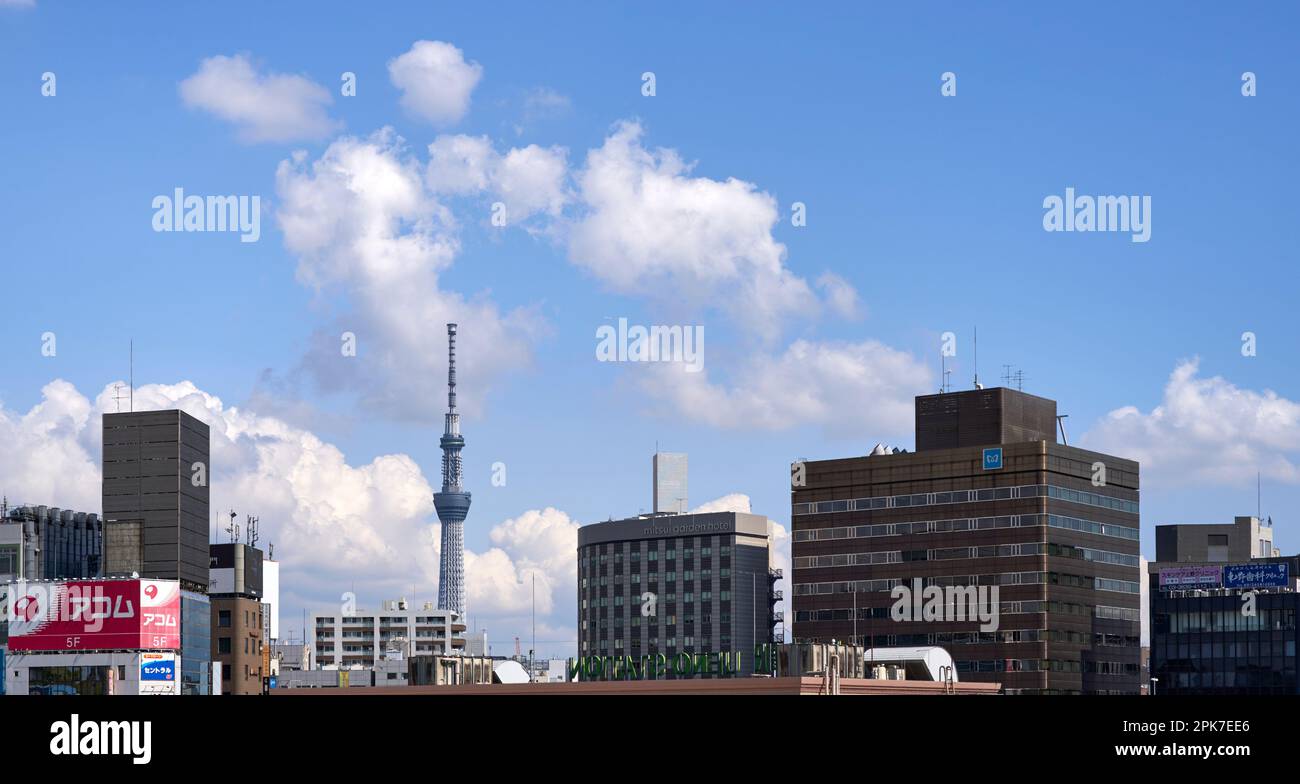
(223, 619)
(225, 672)
(223, 645)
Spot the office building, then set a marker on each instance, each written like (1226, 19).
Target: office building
(49, 543)
(238, 617)
(655, 588)
(670, 479)
(360, 638)
(452, 503)
(1223, 607)
(1016, 553)
(155, 494)
(155, 516)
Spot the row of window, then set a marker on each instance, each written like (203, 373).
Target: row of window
(704, 575)
(998, 578)
(668, 620)
(687, 598)
(964, 553)
(967, 496)
(1004, 608)
(653, 555)
(1224, 621)
(965, 524)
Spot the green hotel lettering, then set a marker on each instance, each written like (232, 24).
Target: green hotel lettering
(650, 667)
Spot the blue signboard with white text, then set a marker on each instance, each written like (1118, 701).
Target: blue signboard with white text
(1262, 575)
(992, 458)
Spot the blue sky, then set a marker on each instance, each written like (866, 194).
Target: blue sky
(928, 209)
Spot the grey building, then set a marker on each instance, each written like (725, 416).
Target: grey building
(665, 585)
(155, 494)
(670, 494)
(1241, 540)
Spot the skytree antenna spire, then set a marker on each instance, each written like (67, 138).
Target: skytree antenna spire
(452, 502)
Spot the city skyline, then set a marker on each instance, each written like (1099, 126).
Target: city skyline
(310, 338)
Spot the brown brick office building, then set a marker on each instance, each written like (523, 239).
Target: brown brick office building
(988, 499)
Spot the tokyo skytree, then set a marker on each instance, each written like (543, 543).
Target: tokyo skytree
(453, 502)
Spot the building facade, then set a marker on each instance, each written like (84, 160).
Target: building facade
(155, 496)
(666, 585)
(360, 638)
(1050, 530)
(1223, 607)
(55, 647)
(238, 617)
(155, 504)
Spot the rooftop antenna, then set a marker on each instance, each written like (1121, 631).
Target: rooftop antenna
(1259, 507)
(233, 527)
(1013, 379)
(132, 372)
(117, 396)
(1060, 422)
(253, 530)
(977, 359)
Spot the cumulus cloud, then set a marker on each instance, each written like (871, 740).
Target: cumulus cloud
(540, 542)
(321, 511)
(46, 458)
(360, 219)
(435, 80)
(336, 524)
(1205, 431)
(847, 388)
(649, 226)
(733, 502)
(528, 180)
(265, 107)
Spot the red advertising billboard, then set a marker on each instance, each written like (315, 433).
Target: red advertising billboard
(85, 615)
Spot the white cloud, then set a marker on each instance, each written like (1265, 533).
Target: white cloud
(649, 227)
(840, 295)
(336, 525)
(541, 542)
(324, 514)
(846, 388)
(435, 81)
(1205, 431)
(17, 3)
(733, 502)
(265, 107)
(528, 180)
(46, 458)
(360, 218)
